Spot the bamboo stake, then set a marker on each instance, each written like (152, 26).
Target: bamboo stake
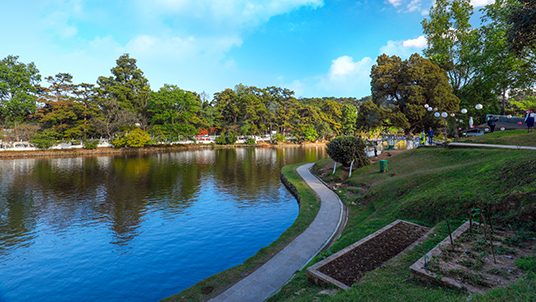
(450, 233)
(351, 166)
(490, 238)
(334, 167)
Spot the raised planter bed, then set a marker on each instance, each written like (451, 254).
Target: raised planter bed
(469, 264)
(347, 266)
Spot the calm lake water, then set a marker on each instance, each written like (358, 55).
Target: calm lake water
(137, 228)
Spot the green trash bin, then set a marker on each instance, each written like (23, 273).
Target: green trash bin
(383, 165)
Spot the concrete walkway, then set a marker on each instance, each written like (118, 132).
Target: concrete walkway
(270, 277)
(472, 145)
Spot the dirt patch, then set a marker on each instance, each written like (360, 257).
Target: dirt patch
(370, 254)
(470, 260)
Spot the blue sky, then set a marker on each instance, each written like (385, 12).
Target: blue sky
(315, 47)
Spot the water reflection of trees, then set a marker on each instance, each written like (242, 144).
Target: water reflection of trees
(120, 190)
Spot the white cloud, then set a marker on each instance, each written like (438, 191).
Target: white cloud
(350, 77)
(222, 15)
(346, 77)
(404, 48)
(395, 3)
(419, 42)
(480, 3)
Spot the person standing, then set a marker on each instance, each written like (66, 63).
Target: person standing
(430, 136)
(422, 138)
(492, 122)
(529, 120)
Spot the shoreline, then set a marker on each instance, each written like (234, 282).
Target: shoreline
(110, 151)
(309, 205)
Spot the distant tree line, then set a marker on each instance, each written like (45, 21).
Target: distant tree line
(61, 110)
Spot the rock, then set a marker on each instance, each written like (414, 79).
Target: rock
(328, 292)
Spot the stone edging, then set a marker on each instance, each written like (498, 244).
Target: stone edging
(420, 272)
(318, 277)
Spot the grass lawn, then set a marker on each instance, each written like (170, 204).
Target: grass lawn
(510, 137)
(426, 186)
(309, 206)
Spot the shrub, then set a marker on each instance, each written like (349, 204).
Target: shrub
(44, 139)
(91, 144)
(310, 134)
(226, 138)
(344, 149)
(278, 138)
(251, 141)
(135, 138)
(119, 141)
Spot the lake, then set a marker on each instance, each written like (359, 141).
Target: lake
(138, 228)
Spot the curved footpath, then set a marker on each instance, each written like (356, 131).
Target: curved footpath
(475, 145)
(271, 276)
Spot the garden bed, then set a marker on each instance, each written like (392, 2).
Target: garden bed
(346, 267)
(469, 264)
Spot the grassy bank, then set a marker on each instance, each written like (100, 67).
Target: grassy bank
(309, 206)
(510, 137)
(426, 186)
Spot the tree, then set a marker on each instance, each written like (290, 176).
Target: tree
(522, 32)
(404, 87)
(370, 116)
(349, 119)
(123, 96)
(174, 113)
(348, 149)
(452, 42)
(18, 89)
(502, 69)
(68, 109)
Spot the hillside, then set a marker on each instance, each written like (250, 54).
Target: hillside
(428, 186)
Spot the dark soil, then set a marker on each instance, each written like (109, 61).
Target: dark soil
(350, 267)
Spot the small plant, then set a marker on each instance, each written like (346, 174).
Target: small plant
(348, 149)
(135, 138)
(250, 141)
(91, 144)
(226, 138)
(278, 138)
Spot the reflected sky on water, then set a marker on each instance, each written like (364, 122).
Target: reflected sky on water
(137, 228)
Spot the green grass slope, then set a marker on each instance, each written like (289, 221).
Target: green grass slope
(510, 137)
(426, 186)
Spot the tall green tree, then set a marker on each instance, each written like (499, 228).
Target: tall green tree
(522, 32)
(67, 109)
(404, 87)
(123, 96)
(18, 90)
(501, 68)
(453, 43)
(174, 113)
